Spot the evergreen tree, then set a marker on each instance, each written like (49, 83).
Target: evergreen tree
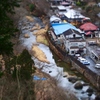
(6, 25)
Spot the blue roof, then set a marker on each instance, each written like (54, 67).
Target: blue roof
(59, 28)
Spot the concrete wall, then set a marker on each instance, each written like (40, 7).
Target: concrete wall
(90, 75)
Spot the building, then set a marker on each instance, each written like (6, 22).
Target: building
(54, 3)
(66, 3)
(55, 19)
(60, 10)
(74, 16)
(74, 43)
(89, 29)
(69, 37)
(94, 52)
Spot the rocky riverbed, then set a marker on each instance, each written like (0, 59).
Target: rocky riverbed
(69, 84)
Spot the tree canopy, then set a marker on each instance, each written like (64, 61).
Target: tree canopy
(6, 25)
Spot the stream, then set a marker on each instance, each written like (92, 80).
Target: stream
(52, 69)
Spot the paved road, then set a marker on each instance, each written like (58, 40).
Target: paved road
(92, 64)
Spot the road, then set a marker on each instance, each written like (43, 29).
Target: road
(92, 64)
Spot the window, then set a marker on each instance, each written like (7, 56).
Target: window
(96, 58)
(62, 10)
(74, 44)
(72, 52)
(58, 35)
(81, 46)
(74, 35)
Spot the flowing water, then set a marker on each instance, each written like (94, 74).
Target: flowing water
(52, 69)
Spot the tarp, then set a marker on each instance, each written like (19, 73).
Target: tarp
(38, 78)
(88, 27)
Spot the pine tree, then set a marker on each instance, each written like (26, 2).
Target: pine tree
(6, 25)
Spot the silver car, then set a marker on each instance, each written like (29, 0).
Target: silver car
(97, 66)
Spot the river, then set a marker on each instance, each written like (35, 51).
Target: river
(52, 69)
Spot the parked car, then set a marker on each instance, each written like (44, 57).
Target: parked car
(83, 61)
(97, 66)
(77, 55)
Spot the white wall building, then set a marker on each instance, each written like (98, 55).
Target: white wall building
(70, 37)
(60, 10)
(74, 43)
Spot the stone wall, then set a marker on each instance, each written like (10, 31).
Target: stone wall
(89, 74)
(80, 69)
(54, 49)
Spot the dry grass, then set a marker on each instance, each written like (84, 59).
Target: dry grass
(36, 27)
(29, 18)
(39, 54)
(42, 39)
(40, 32)
(9, 89)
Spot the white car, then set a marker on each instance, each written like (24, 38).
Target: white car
(83, 61)
(97, 66)
(77, 55)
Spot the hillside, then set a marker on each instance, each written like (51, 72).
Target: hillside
(16, 82)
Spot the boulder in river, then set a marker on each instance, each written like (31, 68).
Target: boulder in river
(26, 36)
(90, 90)
(78, 85)
(72, 79)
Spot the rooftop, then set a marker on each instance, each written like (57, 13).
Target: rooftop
(88, 27)
(59, 28)
(61, 7)
(74, 14)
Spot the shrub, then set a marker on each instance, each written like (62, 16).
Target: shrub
(32, 7)
(88, 8)
(81, 3)
(1, 74)
(78, 3)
